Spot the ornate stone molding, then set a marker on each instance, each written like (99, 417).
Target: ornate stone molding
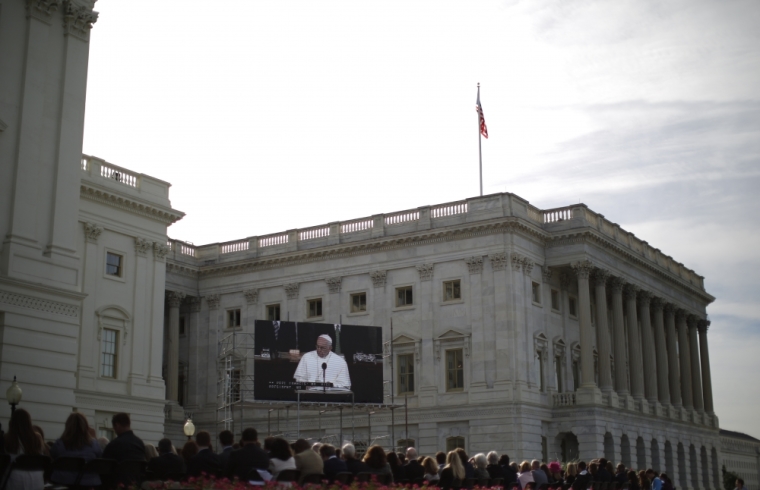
(527, 266)
(134, 206)
(42, 9)
(583, 269)
(498, 261)
(175, 298)
(92, 232)
(195, 304)
(630, 291)
(39, 304)
(565, 280)
(616, 284)
(78, 19)
(160, 250)
(474, 264)
(213, 301)
(334, 284)
(546, 273)
(292, 290)
(425, 271)
(251, 296)
(378, 278)
(517, 261)
(142, 246)
(600, 276)
(703, 325)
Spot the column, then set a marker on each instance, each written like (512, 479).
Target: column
(647, 348)
(661, 351)
(704, 355)
(478, 358)
(602, 330)
(195, 372)
(634, 343)
(172, 368)
(696, 377)
(674, 371)
(583, 271)
(685, 359)
(502, 307)
(621, 380)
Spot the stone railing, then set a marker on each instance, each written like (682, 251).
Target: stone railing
(99, 170)
(494, 206)
(563, 400)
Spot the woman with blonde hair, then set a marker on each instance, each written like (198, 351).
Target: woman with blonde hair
(525, 476)
(452, 475)
(571, 473)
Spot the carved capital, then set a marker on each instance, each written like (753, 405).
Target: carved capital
(600, 277)
(691, 321)
(546, 273)
(702, 326)
(142, 246)
(213, 301)
(565, 280)
(42, 9)
(195, 304)
(474, 265)
(425, 271)
(334, 284)
(92, 232)
(175, 298)
(680, 316)
(669, 309)
(645, 297)
(583, 269)
(498, 261)
(616, 284)
(78, 19)
(527, 265)
(251, 296)
(160, 250)
(630, 291)
(378, 278)
(657, 304)
(292, 290)
(516, 261)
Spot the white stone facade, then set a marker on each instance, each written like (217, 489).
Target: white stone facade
(541, 305)
(60, 215)
(741, 455)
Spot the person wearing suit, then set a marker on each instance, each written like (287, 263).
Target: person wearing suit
(308, 462)
(247, 458)
(413, 468)
(126, 447)
(332, 465)
(226, 440)
(167, 463)
(206, 461)
(353, 465)
(276, 336)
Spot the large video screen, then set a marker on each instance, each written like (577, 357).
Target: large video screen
(325, 362)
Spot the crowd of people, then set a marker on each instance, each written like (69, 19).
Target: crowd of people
(248, 459)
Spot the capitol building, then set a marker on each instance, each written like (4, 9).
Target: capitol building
(540, 333)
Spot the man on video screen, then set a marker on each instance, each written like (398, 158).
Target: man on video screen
(310, 370)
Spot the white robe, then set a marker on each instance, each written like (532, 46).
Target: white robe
(309, 370)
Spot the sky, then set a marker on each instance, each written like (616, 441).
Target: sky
(272, 115)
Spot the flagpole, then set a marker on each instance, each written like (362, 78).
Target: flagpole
(480, 151)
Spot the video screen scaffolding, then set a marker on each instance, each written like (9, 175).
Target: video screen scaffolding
(301, 366)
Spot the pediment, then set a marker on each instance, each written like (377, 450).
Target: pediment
(452, 335)
(405, 339)
(113, 311)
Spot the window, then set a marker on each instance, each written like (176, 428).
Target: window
(405, 374)
(107, 433)
(555, 300)
(571, 307)
(358, 302)
(181, 387)
(453, 443)
(452, 290)
(404, 296)
(273, 312)
(233, 318)
(536, 292)
(315, 308)
(558, 373)
(114, 264)
(108, 345)
(576, 374)
(540, 355)
(402, 444)
(454, 370)
(182, 325)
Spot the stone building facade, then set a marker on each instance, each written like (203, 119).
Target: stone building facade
(540, 333)
(741, 455)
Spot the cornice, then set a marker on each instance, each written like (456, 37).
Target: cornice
(510, 224)
(590, 236)
(130, 204)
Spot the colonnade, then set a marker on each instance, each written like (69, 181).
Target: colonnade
(665, 361)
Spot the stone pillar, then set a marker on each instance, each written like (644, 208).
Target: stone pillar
(696, 377)
(621, 380)
(634, 343)
(172, 368)
(702, 325)
(661, 351)
(479, 346)
(588, 390)
(648, 348)
(674, 371)
(602, 330)
(685, 359)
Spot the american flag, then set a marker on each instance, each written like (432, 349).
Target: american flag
(482, 120)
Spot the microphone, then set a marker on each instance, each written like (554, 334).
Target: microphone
(324, 375)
